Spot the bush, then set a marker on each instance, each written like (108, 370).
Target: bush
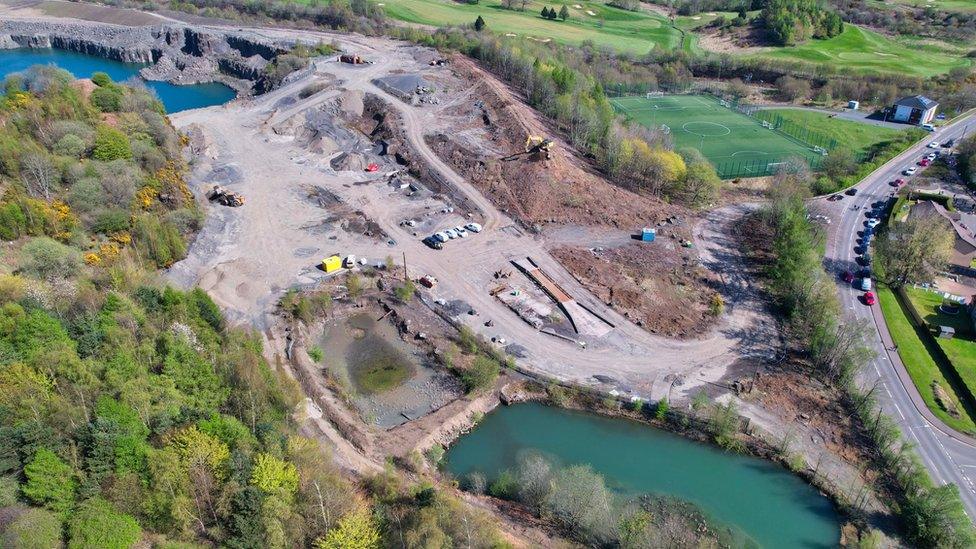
(111, 221)
(101, 79)
(107, 99)
(70, 145)
(111, 144)
(315, 353)
(481, 374)
(46, 258)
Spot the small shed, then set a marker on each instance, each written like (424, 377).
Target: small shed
(853, 105)
(947, 332)
(332, 264)
(648, 234)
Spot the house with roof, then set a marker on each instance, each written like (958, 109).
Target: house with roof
(914, 109)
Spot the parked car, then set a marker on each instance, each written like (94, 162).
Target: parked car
(928, 127)
(473, 227)
(910, 170)
(866, 284)
(460, 232)
(948, 144)
(900, 181)
(836, 197)
(934, 145)
(851, 192)
(924, 162)
(847, 277)
(450, 233)
(442, 237)
(433, 242)
(874, 222)
(869, 299)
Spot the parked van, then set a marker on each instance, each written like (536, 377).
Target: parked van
(928, 127)
(866, 284)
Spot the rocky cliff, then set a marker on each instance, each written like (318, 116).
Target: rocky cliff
(173, 53)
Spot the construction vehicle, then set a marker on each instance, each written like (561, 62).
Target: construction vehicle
(536, 147)
(225, 197)
(352, 59)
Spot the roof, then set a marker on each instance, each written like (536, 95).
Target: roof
(916, 102)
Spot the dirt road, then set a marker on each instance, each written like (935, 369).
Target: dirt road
(248, 256)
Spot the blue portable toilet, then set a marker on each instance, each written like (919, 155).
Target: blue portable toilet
(648, 234)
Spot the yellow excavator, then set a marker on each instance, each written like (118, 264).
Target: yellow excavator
(535, 146)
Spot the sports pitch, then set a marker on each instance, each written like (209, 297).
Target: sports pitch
(735, 143)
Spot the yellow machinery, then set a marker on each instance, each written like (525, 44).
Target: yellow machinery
(332, 264)
(536, 146)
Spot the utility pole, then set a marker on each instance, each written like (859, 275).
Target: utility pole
(405, 277)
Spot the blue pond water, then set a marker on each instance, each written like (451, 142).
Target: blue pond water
(767, 505)
(175, 98)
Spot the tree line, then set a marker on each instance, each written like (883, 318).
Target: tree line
(931, 516)
(789, 22)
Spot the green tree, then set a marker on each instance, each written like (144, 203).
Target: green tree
(98, 525)
(915, 249)
(564, 12)
(111, 144)
(404, 292)
(50, 481)
(479, 24)
(107, 99)
(545, 12)
(357, 530)
(33, 529)
(271, 474)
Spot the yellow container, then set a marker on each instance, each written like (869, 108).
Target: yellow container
(332, 264)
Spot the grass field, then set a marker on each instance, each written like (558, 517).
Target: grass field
(941, 5)
(868, 51)
(918, 360)
(961, 350)
(636, 32)
(727, 138)
(850, 135)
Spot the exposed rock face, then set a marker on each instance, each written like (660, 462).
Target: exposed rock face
(175, 53)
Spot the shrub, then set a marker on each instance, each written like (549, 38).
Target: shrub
(111, 144)
(33, 529)
(481, 374)
(101, 79)
(107, 99)
(70, 145)
(46, 258)
(111, 221)
(315, 353)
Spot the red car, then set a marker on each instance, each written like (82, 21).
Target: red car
(847, 277)
(869, 298)
(924, 162)
(900, 181)
(372, 167)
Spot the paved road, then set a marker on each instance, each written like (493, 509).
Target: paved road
(949, 456)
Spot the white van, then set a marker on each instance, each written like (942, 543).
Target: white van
(866, 284)
(928, 127)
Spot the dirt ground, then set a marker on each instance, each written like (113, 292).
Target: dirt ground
(672, 299)
(484, 132)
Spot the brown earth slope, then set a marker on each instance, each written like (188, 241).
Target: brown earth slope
(492, 125)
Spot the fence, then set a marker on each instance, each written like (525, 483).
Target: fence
(760, 167)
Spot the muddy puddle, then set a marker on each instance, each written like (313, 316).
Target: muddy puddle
(391, 379)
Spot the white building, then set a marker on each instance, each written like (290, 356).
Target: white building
(915, 109)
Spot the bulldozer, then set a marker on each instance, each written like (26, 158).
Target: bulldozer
(536, 147)
(225, 197)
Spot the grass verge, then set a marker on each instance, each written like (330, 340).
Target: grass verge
(850, 135)
(919, 361)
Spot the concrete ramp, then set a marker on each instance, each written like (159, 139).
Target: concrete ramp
(583, 322)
